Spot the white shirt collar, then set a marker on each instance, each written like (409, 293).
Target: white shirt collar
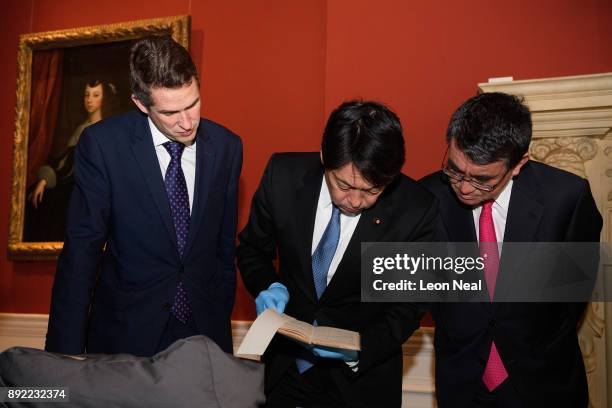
(503, 199)
(324, 196)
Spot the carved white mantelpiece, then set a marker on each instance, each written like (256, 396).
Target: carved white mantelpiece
(572, 130)
(576, 106)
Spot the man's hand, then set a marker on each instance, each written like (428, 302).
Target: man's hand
(335, 353)
(276, 297)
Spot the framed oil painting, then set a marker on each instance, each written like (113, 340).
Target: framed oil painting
(66, 80)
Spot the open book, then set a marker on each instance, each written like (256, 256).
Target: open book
(270, 322)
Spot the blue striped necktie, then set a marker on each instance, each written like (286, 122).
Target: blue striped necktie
(323, 255)
(321, 260)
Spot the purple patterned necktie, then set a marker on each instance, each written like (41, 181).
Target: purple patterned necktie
(176, 189)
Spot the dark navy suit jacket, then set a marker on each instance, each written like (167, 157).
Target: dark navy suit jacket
(117, 274)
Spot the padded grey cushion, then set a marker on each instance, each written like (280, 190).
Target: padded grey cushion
(193, 372)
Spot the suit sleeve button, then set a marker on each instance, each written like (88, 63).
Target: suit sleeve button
(167, 306)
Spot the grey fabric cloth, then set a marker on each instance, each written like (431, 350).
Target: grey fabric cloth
(192, 372)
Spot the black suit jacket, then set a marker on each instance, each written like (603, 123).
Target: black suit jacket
(117, 274)
(536, 341)
(281, 223)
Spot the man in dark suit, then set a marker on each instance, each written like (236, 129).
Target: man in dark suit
(314, 210)
(149, 251)
(507, 354)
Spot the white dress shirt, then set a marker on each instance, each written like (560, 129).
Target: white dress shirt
(499, 210)
(188, 159)
(348, 224)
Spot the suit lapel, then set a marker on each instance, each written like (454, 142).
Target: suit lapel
(522, 223)
(307, 197)
(205, 164)
(524, 211)
(458, 219)
(144, 154)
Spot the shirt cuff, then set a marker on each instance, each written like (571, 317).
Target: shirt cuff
(353, 365)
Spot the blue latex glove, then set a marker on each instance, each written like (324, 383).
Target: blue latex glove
(335, 353)
(276, 297)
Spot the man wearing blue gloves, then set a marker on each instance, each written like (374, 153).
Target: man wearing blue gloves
(313, 210)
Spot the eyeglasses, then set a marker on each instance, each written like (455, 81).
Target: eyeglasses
(458, 178)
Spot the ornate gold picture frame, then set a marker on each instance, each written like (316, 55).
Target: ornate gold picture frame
(66, 80)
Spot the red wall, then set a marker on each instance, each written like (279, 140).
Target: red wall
(425, 57)
(273, 70)
(262, 69)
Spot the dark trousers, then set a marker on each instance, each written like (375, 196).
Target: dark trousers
(176, 330)
(504, 396)
(313, 388)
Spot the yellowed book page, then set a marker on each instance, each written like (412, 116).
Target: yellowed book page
(334, 337)
(260, 334)
(320, 335)
(266, 325)
(298, 330)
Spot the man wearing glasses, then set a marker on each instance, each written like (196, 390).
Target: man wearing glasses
(507, 354)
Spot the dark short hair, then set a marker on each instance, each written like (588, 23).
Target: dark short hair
(490, 127)
(368, 135)
(159, 62)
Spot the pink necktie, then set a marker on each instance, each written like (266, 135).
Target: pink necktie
(495, 373)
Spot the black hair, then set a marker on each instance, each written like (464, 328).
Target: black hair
(368, 135)
(490, 127)
(159, 62)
